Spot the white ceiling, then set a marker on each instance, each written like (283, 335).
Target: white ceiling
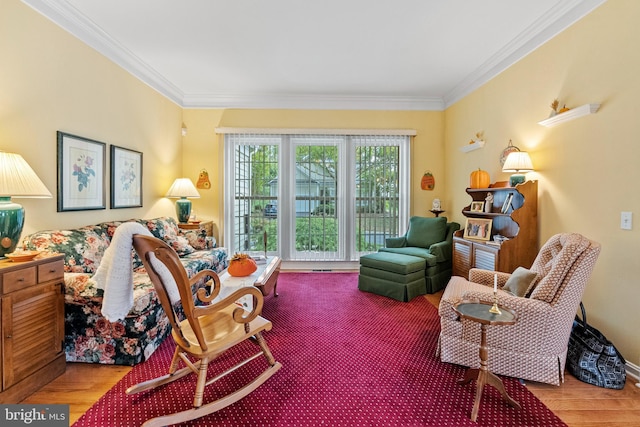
(337, 54)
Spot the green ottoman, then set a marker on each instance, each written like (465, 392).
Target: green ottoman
(396, 276)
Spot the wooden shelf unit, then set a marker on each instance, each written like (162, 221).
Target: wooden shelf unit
(32, 324)
(519, 224)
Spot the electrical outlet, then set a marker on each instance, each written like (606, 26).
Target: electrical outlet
(626, 220)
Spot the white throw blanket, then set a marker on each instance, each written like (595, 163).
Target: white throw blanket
(115, 276)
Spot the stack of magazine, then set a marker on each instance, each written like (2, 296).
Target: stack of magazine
(497, 240)
(259, 259)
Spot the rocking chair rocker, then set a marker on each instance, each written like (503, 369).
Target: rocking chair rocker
(207, 332)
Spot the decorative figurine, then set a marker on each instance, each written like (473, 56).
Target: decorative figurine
(478, 138)
(488, 202)
(435, 205)
(554, 108)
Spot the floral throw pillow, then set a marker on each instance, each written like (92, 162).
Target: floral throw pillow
(197, 239)
(166, 228)
(180, 245)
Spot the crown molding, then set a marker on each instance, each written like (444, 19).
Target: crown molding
(322, 131)
(71, 20)
(312, 102)
(556, 20)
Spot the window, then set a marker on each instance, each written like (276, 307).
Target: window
(314, 196)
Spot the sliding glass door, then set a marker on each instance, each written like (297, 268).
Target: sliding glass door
(319, 166)
(314, 197)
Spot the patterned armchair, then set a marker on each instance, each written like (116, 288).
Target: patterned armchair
(535, 348)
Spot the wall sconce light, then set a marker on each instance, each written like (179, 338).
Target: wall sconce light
(183, 188)
(17, 179)
(520, 163)
(184, 130)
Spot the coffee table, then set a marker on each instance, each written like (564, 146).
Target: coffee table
(268, 279)
(479, 312)
(265, 278)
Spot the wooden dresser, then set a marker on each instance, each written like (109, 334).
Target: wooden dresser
(32, 324)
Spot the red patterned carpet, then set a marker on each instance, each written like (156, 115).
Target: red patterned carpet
(349, 358)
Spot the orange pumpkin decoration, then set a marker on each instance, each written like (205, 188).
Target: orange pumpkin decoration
(428, 181)
(480, 179)
(241, 265)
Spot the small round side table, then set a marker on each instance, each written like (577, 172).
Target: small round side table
(436, 212)
(479, 312)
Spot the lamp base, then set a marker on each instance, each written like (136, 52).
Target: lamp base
(11, 223)
(183, 209)
(516, 179)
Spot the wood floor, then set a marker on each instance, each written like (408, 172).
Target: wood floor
(576, 403)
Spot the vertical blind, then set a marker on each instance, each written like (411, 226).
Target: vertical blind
(329, 197)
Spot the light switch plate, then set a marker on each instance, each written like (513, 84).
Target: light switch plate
(626, 220)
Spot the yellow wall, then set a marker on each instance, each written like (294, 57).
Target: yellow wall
(587, 168)
(51, 81)
(203, 149)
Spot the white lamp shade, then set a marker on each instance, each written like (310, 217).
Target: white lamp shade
(518, 161)
(17, 179)
(183, 187)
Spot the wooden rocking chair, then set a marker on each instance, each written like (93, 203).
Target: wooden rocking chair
(208, 330)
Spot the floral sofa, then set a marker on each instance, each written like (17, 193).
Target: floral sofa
(91, 338)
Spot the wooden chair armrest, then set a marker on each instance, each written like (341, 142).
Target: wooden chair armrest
(240, 315)
(202, 294)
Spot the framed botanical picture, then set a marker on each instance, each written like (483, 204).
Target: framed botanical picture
(477, 206)
(126, 178)
(478, 228)
(81, 173)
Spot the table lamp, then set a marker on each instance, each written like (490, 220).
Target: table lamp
(183, 188)
(17, 179)
(520, 163)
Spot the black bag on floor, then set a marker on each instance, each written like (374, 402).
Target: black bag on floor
(592, 358)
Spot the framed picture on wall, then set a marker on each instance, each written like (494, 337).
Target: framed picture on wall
(478, 228)
(126, 178)
(81, 173)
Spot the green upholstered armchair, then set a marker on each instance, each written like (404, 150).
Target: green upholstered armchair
(431, 239)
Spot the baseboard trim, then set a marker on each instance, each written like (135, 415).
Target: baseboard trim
(321, 266)
(633, 371)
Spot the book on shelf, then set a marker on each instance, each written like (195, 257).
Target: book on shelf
(507, 203)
